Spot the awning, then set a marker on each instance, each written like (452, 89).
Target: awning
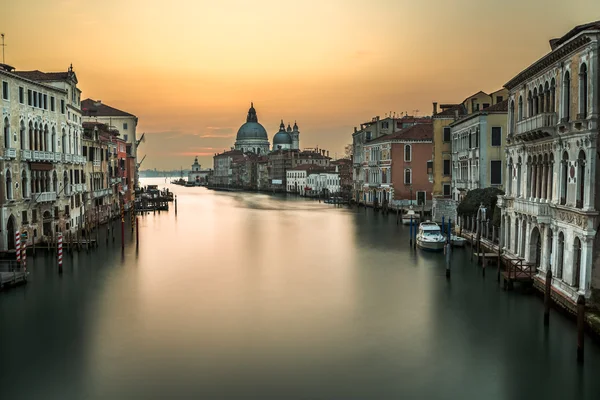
(38, 166)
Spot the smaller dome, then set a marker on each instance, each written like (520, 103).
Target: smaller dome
(281, 138)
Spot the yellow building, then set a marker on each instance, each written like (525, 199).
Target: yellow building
(441, 165)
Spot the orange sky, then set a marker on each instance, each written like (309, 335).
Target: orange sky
(189, 68)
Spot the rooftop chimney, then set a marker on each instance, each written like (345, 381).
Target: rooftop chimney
(455, 114)
(355, 130)
(434, 108)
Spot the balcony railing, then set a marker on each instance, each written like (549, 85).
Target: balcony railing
(78, 159)
(537, 122)
(57, 157)
(97, 164)
(39, 155)
(532, 208)
(102, 192)
(26, 155)
(44, 197)
(10, 153)
(67, 158)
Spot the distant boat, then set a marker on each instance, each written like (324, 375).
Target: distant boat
(430, 237)
(406, 218)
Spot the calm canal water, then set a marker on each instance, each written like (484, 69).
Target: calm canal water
(250, 296)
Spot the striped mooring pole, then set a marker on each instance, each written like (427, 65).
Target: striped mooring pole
(60, 253)
(18, 246)
(132, 211)
(24, 251)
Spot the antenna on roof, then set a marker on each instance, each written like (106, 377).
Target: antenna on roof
(3, 46)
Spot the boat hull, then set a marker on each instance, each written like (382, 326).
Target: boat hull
(406, 221)
(430, 246)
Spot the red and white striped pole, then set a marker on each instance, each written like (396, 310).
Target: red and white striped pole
(24, 251)
(60, 243)
(18, 246)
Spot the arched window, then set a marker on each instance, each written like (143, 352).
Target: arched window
(46, 138)
(552, 95)
(508, 228)
(66, 183)
(530, 104)
(535, 102)
(509, 178)
(519, 177)
(53, 141)
(47, 181)
(576, 262)
(520, 115)
(583, 92)
(64, 141)
(564, 178)
(560, 255)
(511, 117)
(22, 135)
(407, 176)
(9, 192)
(24, 184)
(6, 133)
(567, 97)
(31, 135)
(547, 107)
(55, 182)
(36, 134)
(407, 153)
(580, 179)
(541, 100)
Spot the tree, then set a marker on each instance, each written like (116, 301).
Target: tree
(488, 197)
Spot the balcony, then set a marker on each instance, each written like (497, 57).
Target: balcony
(43, 156)
(57, 157)
(539, 210)
(78, 159)
(67, 158)
(97, 163)
(10, 153)
(44, 197)
(538, 126)
(102, 192)
(26, 155)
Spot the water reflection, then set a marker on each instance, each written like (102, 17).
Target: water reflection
(259, 296)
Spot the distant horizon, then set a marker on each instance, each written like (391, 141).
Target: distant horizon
(327, 65)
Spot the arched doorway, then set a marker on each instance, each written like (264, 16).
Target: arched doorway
(11, 227)
(47, 229)
(560, 253)
(549, 246)
(576, 262)
(535, 247)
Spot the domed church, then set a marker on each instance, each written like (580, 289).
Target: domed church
(252, 136)
(286, 139)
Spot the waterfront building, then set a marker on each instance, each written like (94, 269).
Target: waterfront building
(197, 175)
(344, 166)
(314, 156)
(262, 173)
(124, 122)
(244, 171)
(478, 149)
(325, 182)
(252, 136)
(41, 154)
(223, 171)
(444, 204)
(296, 178)
(395, 167)
(369, 131)
(550, 209)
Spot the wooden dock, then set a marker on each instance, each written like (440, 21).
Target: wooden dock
(12, 278)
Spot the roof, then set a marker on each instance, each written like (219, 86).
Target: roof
(450, 112)
(312, 154)
(341, 161)
(95, 108)
(558, 51)
(230, 153)
(415, 132)
(573, 32)
(43, 76)
(306, 167)
(498, 107)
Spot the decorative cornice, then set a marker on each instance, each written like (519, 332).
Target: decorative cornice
(547, 61)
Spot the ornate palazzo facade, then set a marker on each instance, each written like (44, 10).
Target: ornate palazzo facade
(550, 210)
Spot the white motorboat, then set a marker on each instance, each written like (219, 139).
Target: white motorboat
(457, 241)
(410, 214)
(430, 237)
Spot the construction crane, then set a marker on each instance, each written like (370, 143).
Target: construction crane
(141, 139)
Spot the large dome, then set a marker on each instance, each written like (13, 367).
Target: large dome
(252, 130)
(282, 137)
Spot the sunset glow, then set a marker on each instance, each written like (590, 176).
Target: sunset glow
(189, 68)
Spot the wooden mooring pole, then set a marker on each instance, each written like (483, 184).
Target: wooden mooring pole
(137, 233)
(580, 326)
(547, 297)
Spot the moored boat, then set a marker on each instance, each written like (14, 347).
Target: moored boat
(406, 218)
(457, 241)
(430, 237)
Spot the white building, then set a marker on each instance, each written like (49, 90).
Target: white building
(297, 178)
(197, 175)
(41, 159)
(324, 182)
(550, 210)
